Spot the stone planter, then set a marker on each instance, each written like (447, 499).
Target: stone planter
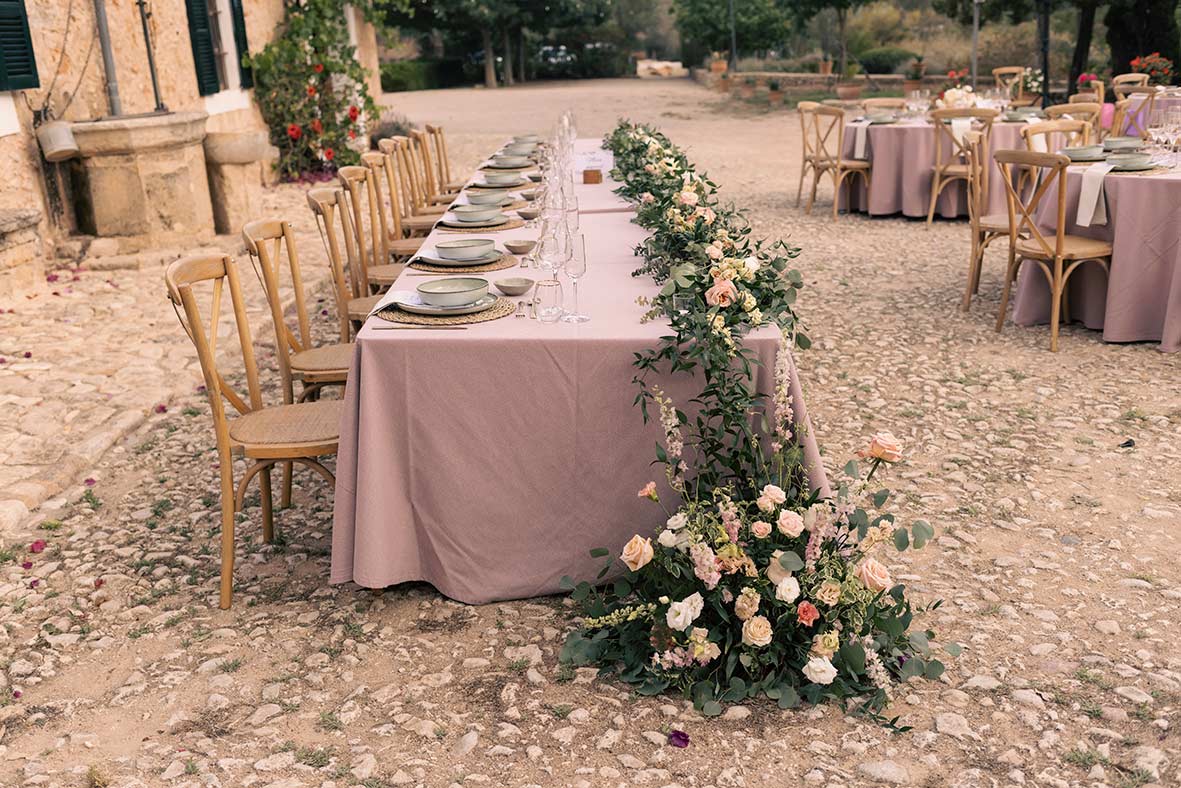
(235, 181)
(848, 91)
(911, 85)
(143, 178)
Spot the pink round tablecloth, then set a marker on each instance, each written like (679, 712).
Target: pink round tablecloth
(1142, 302)
(903, 159)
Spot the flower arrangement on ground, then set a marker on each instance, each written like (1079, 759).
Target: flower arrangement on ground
(1032, 80)
(756, 585)
(1158, 68)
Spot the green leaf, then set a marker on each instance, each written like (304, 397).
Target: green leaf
(791, 562)
(854, 656)
(788, 697)
(880, 497)
(901, 539)
(851, 470)
(919, 642)
(566, 583)
(599, 552)
(922, 532)
(934, 669)
(953, 649)
(622, 588)
(911, 668)
(711, 709)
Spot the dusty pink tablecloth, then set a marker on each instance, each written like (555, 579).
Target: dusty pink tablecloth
(1142, 302)
(488, 462)
(903, 158)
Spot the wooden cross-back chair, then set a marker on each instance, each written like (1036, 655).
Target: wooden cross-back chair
(1088, 111)
(985, 228)
(300, 433)
(1137, 112)
(389, 246)
(416, 169)
(883, 103)
(1094, 93)
(1008, 79)
(400, 188)
(361, 217)
(1057, 256)
(433, 188)
(951, 158)
(807, 111)
(353, 301)
(442, 161)
(828, 142)
(1121, 83)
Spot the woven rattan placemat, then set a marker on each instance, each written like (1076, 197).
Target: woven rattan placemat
(502, 308)
(511, 224)
(505, 261)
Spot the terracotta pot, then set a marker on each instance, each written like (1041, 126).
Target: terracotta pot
(775, 97)
(825, 67)
(724, 85)
(848, 91)
(747, 91)
(911, 85)
(718, 66)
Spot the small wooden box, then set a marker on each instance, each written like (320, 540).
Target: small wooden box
(592, 176)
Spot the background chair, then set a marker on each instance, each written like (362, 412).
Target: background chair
(984, 228)
(870, 104)
(1081, 110)
(1121, 83)
(1009, 79)
(444, 164)
(1057, 257)
(1141, 102)
(301, 433)
(807, 111)
(951, 152)
(828, 142)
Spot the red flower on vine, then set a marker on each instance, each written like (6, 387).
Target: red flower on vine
(294, 131)
(316, 125)
(311, 90)
(318, 68)
(352, 134)
(354, 113)
(329, 154)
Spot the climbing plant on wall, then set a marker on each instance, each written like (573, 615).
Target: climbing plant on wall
(311, 89)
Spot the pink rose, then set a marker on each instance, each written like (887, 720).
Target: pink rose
(648, 491)
(760, 529)
(637, 552)
(790, 523)
(776, 494)
(722, 293)
(874, 574)
(714, 252)
(647, 198)
(687, 198)
(765, 504)
(882, 446)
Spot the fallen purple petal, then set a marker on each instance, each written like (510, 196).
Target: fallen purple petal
(678, 739)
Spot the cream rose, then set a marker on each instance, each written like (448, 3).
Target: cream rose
(882, 446)
(775, 571)
(757, 632)
(829, 592)
(722, 293)
(787, 590)
(677, 521)
(760, 529)
(747, 604)
(681, 614)
(637, 552)
(752, 264)
(687, 198)
(826, 644)
(820, 671)
(776, 494)
(790, 523)
(874, 574)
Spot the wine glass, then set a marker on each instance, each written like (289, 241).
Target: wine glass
(572, 220)
(553, 248)
(1156, 129)
(576, 269)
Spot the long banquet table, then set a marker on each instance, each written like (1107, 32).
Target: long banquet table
(1142, 300)
(490, 461)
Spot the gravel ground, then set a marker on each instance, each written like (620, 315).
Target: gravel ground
(1054, 481)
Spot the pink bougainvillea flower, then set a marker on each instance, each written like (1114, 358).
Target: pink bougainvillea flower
(34, 583)
(99, 582)
(161, 408)
(89, 482)
(51, 278)
(28, 354)
(27, 565)
(16, 694)
(38, 546)
(678, 739)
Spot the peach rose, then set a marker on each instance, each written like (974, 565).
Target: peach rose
(882, 446)
(765, 504)
(874, 574)
(647, 198)
(687, 198)
(757, 632)
(637, 552)
(722, 293)
(790, 523)
(760, 529)
(714, 252)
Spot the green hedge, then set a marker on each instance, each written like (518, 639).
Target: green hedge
(885, 60)
(401, 75)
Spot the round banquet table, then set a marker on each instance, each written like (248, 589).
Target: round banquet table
(903, 159)
(1142, 301)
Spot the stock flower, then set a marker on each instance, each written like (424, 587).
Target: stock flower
(722, 293)
(637, 552)
(648, 491)
(826, 644)
(874, 574)
(757, 632)
(747, 603)
(681, 614)
(807, 613)
(820, 671)
(760, 529)
(787, 590)
(790, 523)
(829, 592)
(882, 446)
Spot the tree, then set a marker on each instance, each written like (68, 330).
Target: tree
(809, 9)
(705, 24)
(1140, 27)
(485, 16)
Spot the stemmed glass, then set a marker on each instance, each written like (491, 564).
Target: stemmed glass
(553, 248)
(572, 220)
(576, 269)
(1156, 129)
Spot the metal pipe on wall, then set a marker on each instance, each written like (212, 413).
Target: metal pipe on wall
(104, 39)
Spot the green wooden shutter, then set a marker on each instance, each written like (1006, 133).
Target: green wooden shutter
(247, 76)
(18, 64)
(201, 36)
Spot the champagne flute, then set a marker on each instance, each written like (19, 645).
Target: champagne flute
(576, 269)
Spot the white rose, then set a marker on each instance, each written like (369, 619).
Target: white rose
(820, 671)
(681, 614)
(677, 521)
(757, 632)
(787, 590)
(752, 264)
(667, 539)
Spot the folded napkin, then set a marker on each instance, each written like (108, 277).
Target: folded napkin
(960, 127)
(1038, 142)
(1092, 203)
(860, 134)
(391, 297)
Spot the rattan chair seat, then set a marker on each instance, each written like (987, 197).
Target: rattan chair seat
(323, 364)
(307, 429)
(1074, 247)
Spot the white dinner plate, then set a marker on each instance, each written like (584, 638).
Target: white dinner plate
(495, 221)
(433, 259)
(414, 305)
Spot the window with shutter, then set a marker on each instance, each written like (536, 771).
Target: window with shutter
(239, 19)
(18, 65)
(204, 53)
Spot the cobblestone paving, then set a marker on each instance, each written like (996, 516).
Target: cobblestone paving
(1054, 482)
